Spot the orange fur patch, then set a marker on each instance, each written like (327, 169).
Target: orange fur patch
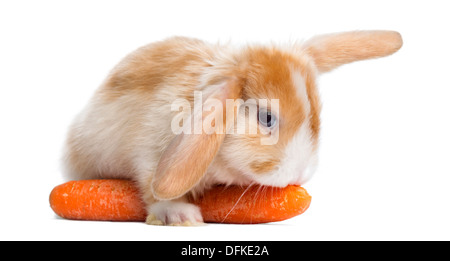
(152, 66)
(264, 166)
(332, 50)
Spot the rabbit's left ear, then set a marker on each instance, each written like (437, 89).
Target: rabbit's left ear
(332, 50)
(186, 159)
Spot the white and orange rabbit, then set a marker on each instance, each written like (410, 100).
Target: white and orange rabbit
(126, 131)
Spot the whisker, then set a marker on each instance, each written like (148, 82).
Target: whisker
(255, 199)
(235, 204)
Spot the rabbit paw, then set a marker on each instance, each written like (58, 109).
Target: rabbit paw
(174, 214)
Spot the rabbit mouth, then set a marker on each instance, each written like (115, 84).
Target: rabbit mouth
(289, 173)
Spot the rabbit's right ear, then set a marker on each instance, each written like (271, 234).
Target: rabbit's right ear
(188, 156)
(332, 50)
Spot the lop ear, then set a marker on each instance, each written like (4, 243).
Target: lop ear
(186, 159)
(332, 50)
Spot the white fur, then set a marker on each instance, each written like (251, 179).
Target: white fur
(300, 87)
(298, 162)
(174, 213)
(300, 158)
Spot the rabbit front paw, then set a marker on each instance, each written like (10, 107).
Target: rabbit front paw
(174, 214)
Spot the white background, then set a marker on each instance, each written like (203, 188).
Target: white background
(384, 159)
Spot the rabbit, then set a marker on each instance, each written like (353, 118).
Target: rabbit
(126, 129)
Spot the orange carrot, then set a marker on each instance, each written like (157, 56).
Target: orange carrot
(119, 200)
(98, 199)
(253, 204)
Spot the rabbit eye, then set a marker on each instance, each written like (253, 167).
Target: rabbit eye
(266, 118)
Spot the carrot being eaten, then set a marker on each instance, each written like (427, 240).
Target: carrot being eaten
(119, 200)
